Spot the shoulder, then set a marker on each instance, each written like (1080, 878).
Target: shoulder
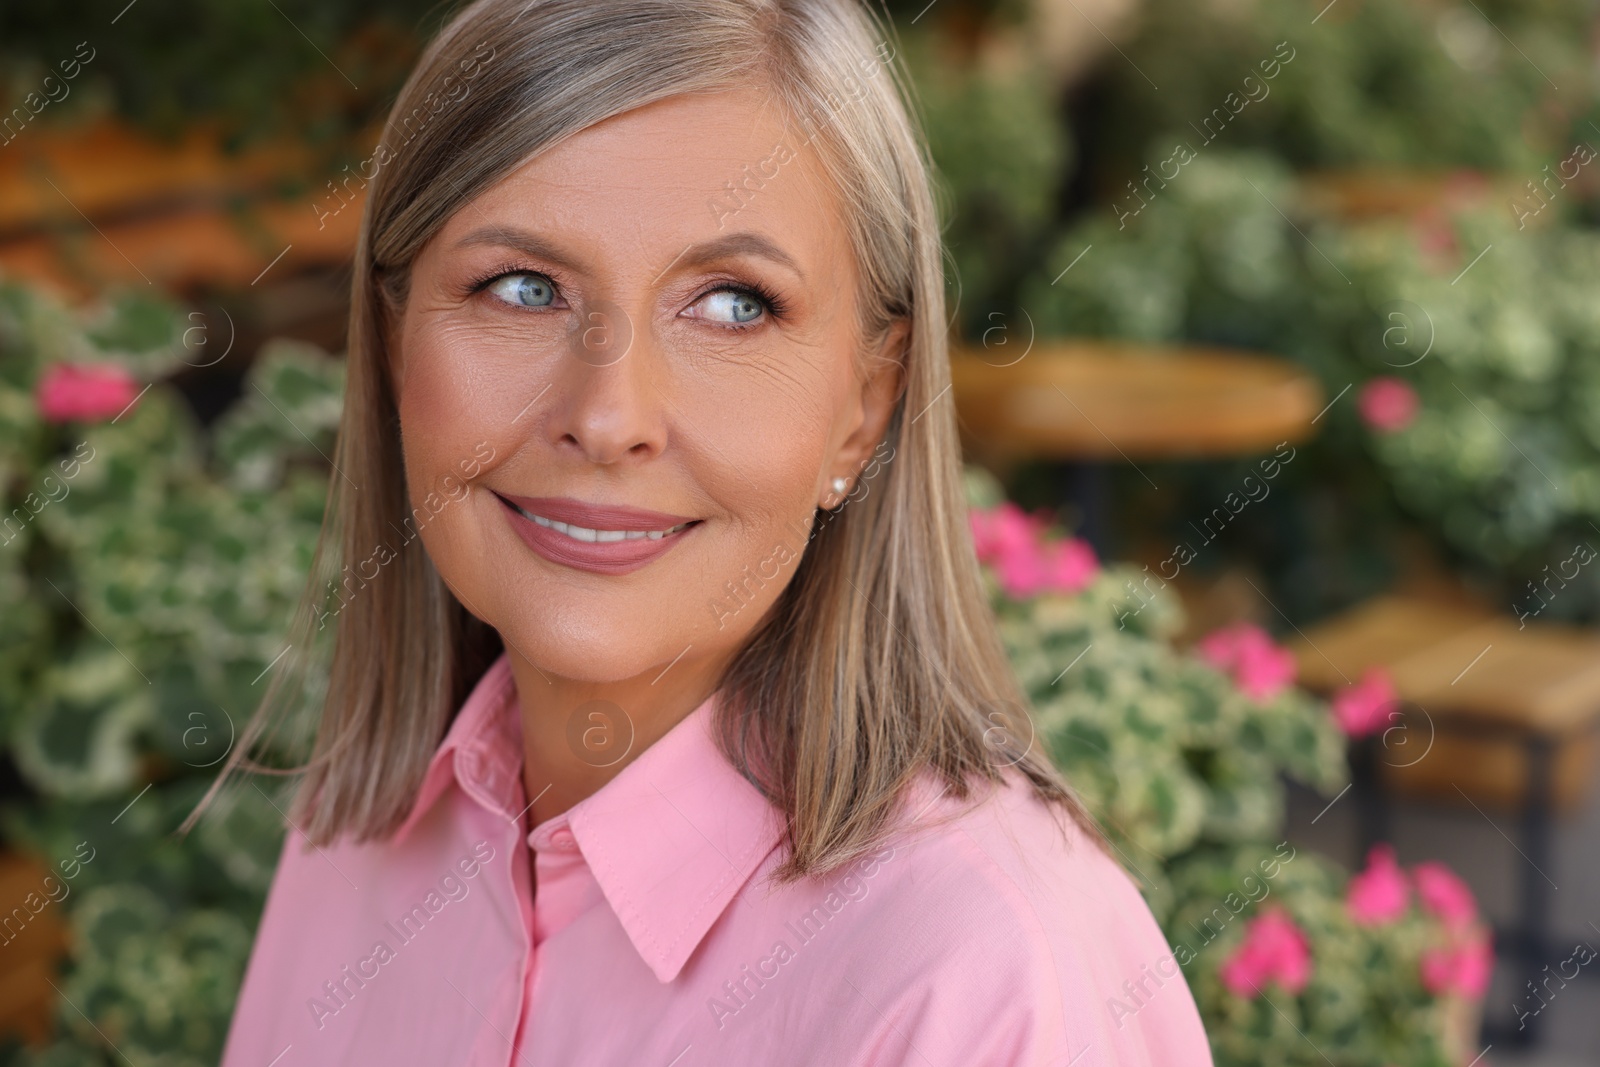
(1004, 851)
(442, 902)
(1018, 932)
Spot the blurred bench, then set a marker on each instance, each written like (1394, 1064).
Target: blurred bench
(84, 208)
(1492, 711)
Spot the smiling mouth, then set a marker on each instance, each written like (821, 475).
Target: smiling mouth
(582, 533)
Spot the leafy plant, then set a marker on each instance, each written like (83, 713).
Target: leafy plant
(1182, 756)
(1495, 361)
(1405, 84)
(973, 116)
(154, 565)
(320, 70)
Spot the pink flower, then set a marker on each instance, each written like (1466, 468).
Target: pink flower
(1021, 572)
(1380, 893)
(84, 392)
(1462, 968)
(1070, 565)
(1259, 668)
(1222, 647)
(1363, 707)
(1438, 969)
(1025, 561)
(1244, 972)
(1273, 949)
(1444, 894)
(1387, 404)
(1264, 670)
(1475, 965)
(1002, 532)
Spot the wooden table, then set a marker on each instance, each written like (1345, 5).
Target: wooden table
(1103, 400)
(1093, 402)
(1369, 194)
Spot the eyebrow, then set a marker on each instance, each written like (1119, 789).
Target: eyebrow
(744, 243)
(523, 241)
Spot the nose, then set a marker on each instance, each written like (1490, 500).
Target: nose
(608, 407)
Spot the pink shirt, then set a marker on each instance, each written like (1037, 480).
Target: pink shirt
(655, 939)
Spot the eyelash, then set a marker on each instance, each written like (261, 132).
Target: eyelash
(483, 281)
(774, 305)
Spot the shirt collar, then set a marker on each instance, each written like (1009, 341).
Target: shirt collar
(481, 752)
(670, 840)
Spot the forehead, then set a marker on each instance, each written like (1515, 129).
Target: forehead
(673, 172)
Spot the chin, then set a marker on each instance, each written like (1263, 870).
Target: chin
(594, 651)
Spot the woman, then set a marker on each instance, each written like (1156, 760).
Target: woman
(684, 736)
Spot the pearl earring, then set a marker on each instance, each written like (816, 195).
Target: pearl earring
(840, 485)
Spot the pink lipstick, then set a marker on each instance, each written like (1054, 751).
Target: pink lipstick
(600, 538)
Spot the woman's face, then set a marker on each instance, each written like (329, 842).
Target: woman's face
(624, 387)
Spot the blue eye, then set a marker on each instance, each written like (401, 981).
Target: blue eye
(525, 290)
(733, 305)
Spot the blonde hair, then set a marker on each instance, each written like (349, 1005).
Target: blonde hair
(881, 657)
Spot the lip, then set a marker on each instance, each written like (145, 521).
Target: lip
(595, 516)
(598, 557)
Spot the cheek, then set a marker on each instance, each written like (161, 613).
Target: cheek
(766, 428)
(767, 435)
(457, 422)
(761, 469)
(459, 400)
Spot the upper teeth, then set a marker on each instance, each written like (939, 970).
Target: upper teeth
(581, 533)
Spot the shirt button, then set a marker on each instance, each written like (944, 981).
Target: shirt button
(563, 840)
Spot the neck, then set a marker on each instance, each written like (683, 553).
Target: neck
(578, 735)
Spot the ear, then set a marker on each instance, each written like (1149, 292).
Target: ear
(880, 390)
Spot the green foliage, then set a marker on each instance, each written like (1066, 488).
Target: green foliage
(1408, 84)
(1186, 773)
(1191, 228)
(161, 983)
(1364, 1004)
(1502, 461)
(152, 588)
(1206, 257)
(1161, 746)
(321, 70)
(974, 120)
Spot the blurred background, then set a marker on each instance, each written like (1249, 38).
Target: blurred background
(1277, 357)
